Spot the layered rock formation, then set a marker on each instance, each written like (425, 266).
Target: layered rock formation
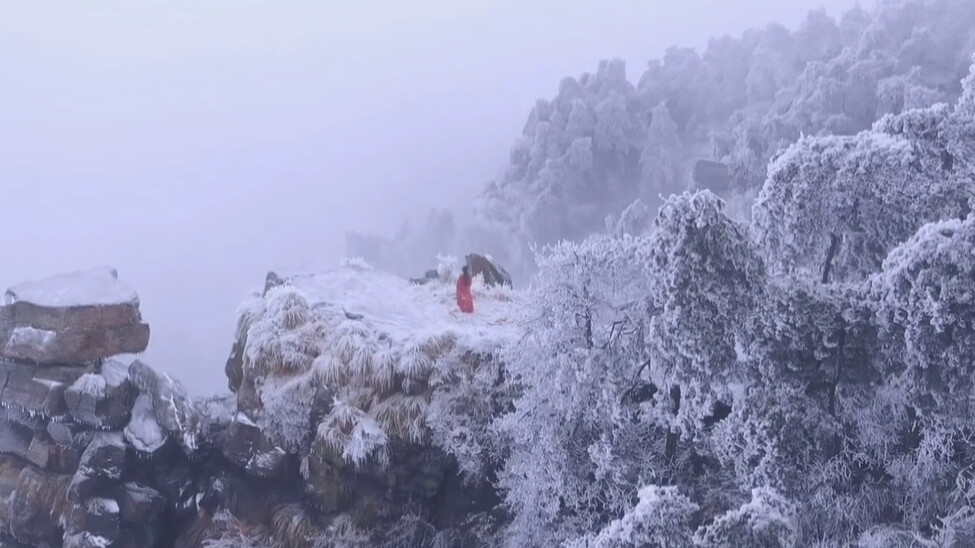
(338, 373)
(351, 392)
(69, 474)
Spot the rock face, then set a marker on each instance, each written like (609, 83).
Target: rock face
(71, 319)
(493, 273)
(67, 472)
(326, 429)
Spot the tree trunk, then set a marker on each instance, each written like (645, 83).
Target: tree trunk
(834, 244)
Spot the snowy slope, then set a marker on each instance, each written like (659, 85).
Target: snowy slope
(392, 305)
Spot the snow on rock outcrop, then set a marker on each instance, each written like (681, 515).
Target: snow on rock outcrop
(143, 432)
(172, 407)
(96, 287)
(341, 368)
(71, 319)
(374, 339)
(65, 475)
(352, 390)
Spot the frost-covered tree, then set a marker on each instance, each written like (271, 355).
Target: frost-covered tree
(926, 303)
(661, 519)
(577, 450)
(661, 158)
(835, 206)
(768, 519)
(706, 277)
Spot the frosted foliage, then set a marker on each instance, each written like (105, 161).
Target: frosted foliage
(661, 158)
(635, 220)
(355, 263)
(351, 433)
(448, 267)
(706, 276)
(236, 534)
(925, 292)
(415, 362)
(767, 520)
(581, 350)
(465, 391)
(403, 416)
(849, 200)
(284, 339)
(579, 156)
(250, 311)
(966, 105)
(288, 306)
(892, 537)
(854, 188)
(661, 519)
(286, 413)
(614, 127)
(90, 384)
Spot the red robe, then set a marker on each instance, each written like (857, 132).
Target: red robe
(464, 298)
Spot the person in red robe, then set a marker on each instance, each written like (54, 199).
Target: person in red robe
(464, 298)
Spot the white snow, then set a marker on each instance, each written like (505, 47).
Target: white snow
(99, 286)
(90, 384)
(115, 373)
(94, 541)
(143, 432)
(103, 505)
(30, 337)
(47, 383)
(243, 419)
(406, 312)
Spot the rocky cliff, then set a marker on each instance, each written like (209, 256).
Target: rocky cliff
(353, 397)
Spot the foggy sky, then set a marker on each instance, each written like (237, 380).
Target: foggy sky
(196, 145)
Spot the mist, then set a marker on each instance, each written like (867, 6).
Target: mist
(195, 146)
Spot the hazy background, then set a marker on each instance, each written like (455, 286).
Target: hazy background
(197, 145)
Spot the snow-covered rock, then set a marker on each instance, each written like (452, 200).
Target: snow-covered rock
(339, 368)
(246, 446)
(172, 407)
(34, 505)
(104, 457)
(71, 319)
(36, 391)
(143, 432)
(101, 400)
(96, 287)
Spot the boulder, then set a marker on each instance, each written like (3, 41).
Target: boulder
(84, 539)
(60, 433)
(171, 405)
(493, 273)
(73, 318)
(14, 438)
(36, 506)
(84, 486)
(44, 452)
(246, 446)
(711, 175)
(101, 400)
(99, 517)
(36, 391)
(140, 504)
(143, 432)
(104, 457)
